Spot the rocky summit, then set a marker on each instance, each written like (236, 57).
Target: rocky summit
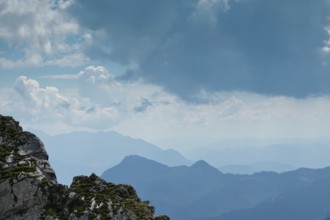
(29, 190)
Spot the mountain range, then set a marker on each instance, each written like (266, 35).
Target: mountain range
(92, 152)
(200, 191)
(249, 156)
(87, 152)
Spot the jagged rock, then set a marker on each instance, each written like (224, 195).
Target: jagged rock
(29, 190)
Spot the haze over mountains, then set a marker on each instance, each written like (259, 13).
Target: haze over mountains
(198, 191)
(186, 190)
(260, 156)
(231, 86)
(85, 152)
(201, 192)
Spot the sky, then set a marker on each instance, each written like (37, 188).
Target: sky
(170, 72)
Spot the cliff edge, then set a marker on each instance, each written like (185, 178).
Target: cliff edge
(29, 190)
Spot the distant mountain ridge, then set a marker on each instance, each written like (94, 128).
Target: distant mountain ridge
(200, 191)
(87, 152)
(256, 167)
(255, 156)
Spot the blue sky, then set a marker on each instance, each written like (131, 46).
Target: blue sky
(168, 70)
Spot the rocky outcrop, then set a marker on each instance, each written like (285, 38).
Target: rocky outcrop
(29, 190)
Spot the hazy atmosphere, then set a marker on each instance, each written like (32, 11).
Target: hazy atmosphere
(241, 84)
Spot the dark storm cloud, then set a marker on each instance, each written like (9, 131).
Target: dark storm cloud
(131, 29)
(270, 47)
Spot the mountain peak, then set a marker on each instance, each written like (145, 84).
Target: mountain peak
(140, 162)
(22, 152)
(202, 164)
(138, 159)
(135, 158)
(134, 166)
(29, 189)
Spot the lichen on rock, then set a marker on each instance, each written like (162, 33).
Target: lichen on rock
(29, 189)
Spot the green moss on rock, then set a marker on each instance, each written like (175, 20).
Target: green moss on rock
(96, 195)
(14, 172)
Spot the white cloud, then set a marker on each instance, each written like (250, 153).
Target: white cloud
(326, 46)
(234, 116)
(209, 4)
(41, 102)
(60, 76)
(206, 11)
(39, 32)
(95, 74)
(147, 111)
(48, 109)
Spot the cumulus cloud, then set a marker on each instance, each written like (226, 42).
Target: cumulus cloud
(95, 82)
(95, 74)
(38, 32)
(49, 109)
(42, 102)
(100, 103)
(101, 88)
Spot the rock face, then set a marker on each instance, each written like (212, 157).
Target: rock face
(29, 190)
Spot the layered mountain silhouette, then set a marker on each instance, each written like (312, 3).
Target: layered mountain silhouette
(200, 191)
(250, 156)
(98, 151)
